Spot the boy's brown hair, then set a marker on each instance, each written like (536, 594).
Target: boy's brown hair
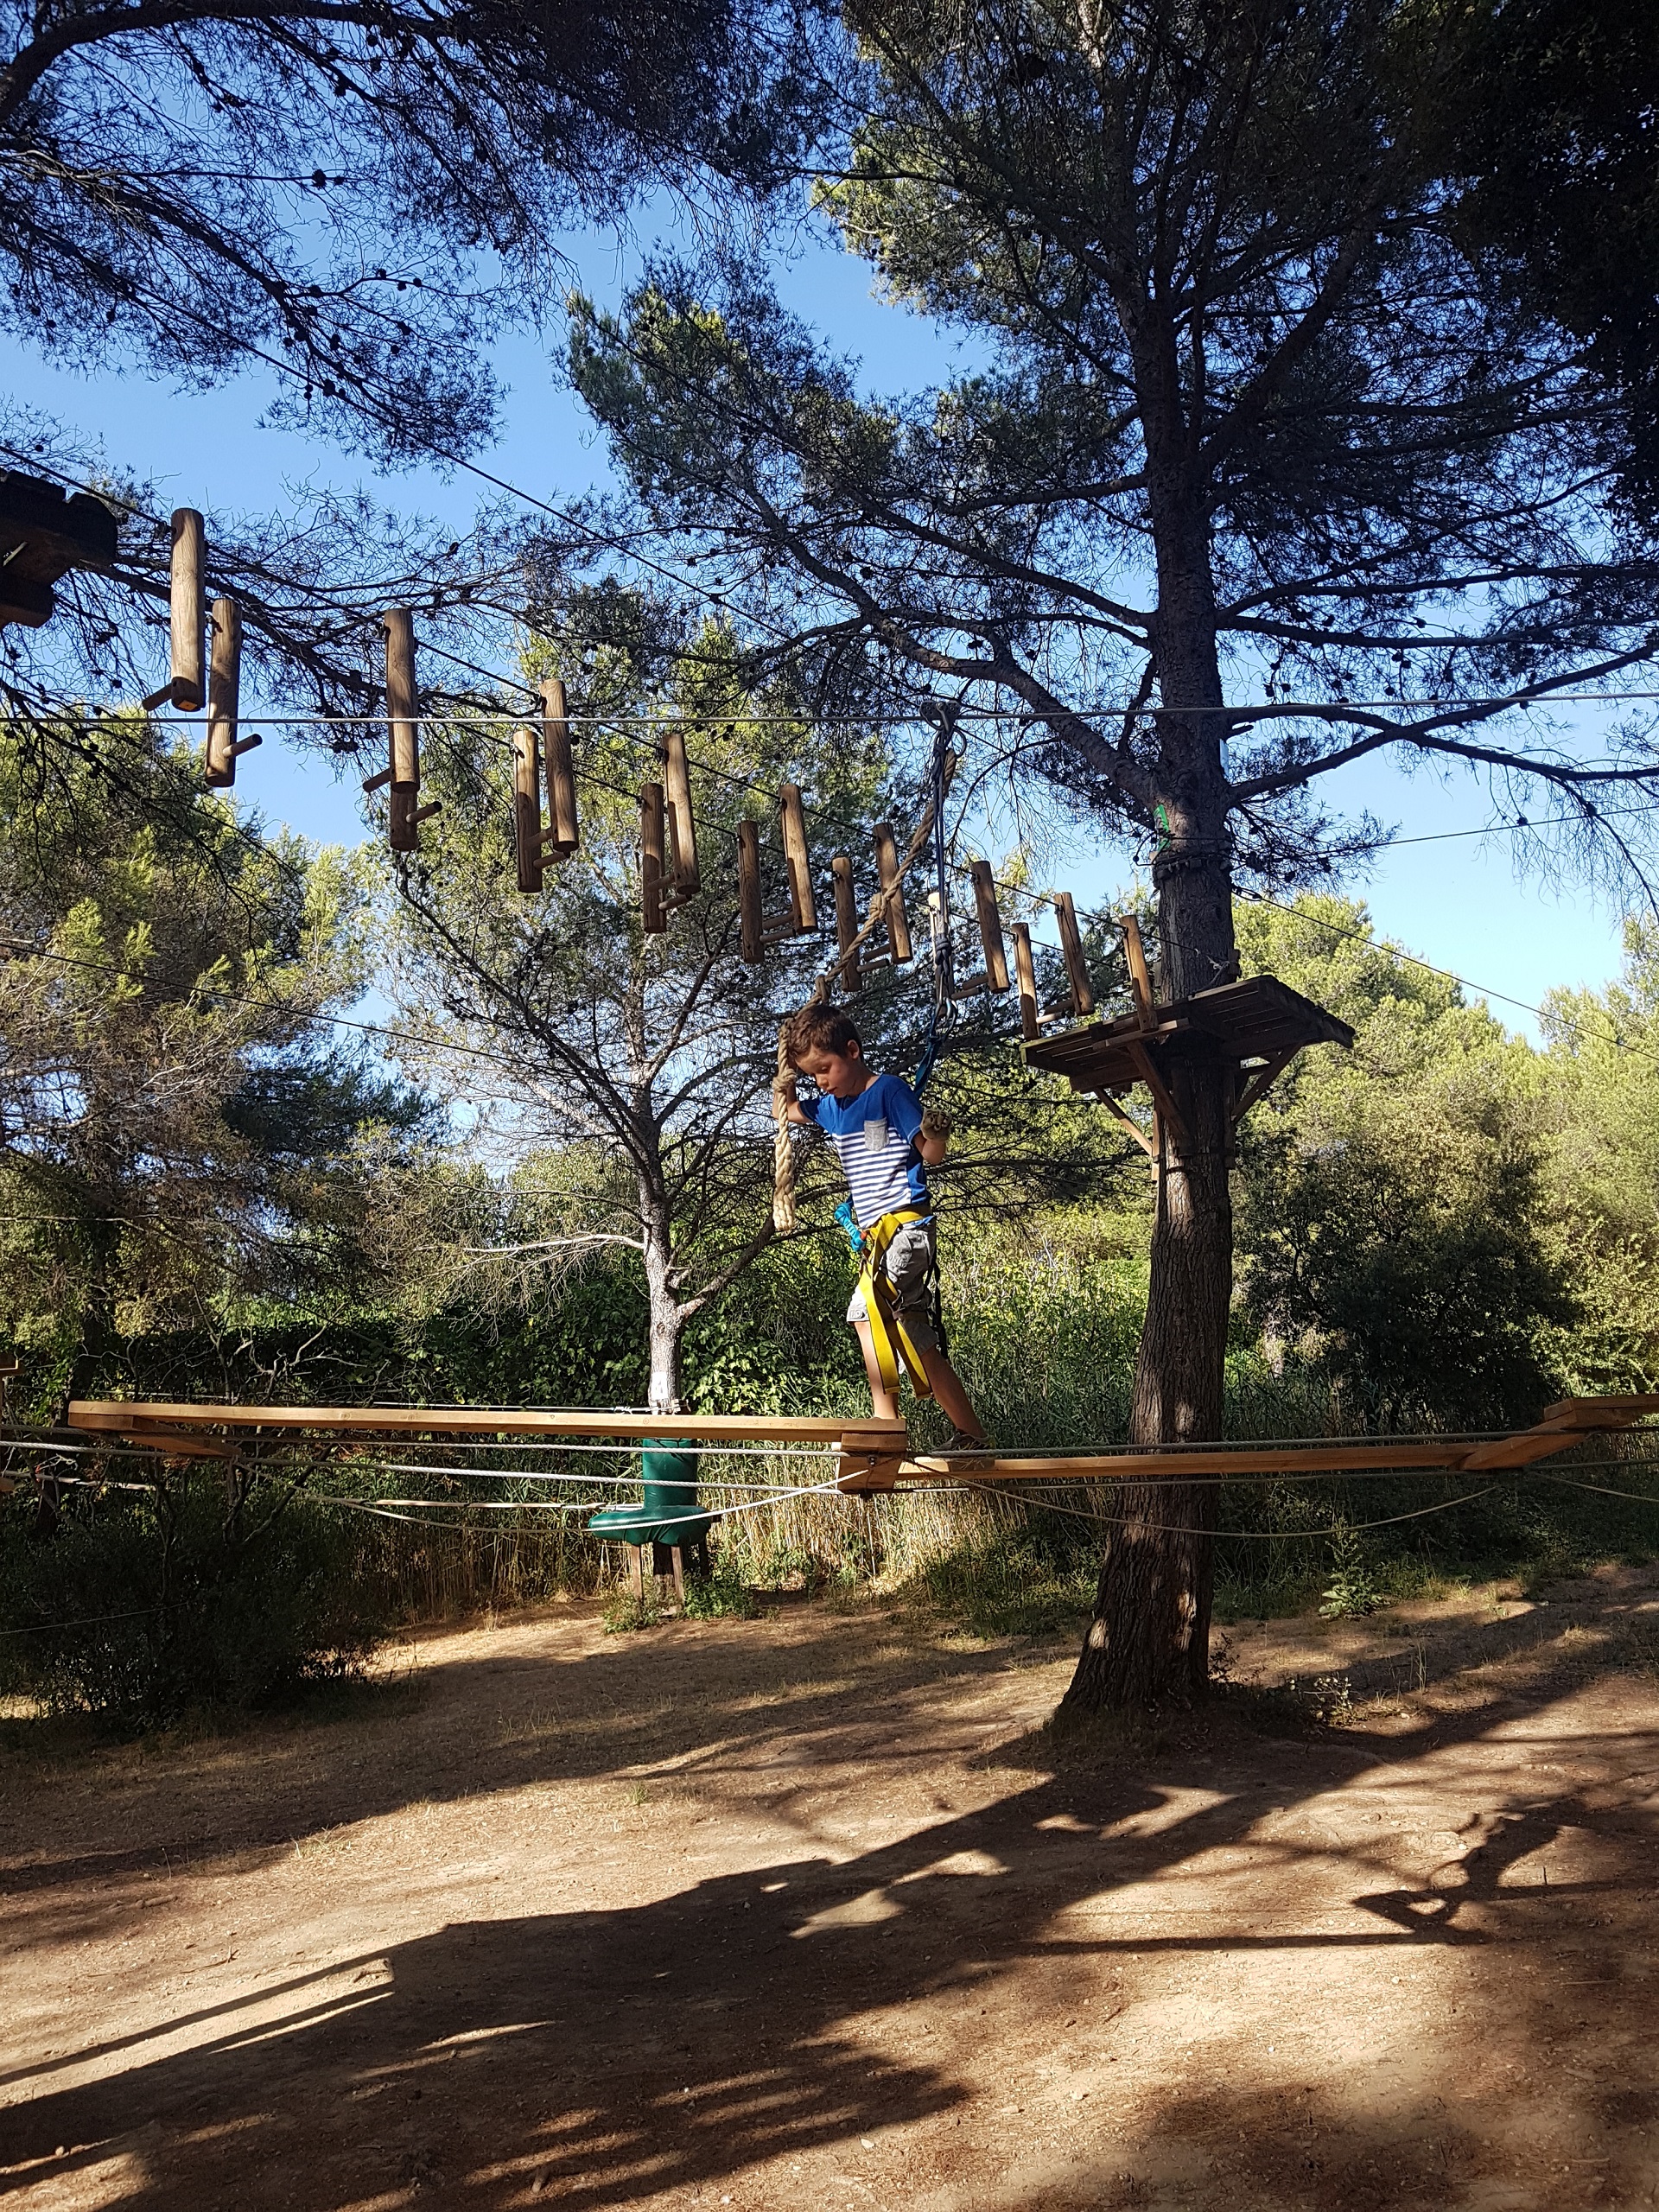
(819, 1029)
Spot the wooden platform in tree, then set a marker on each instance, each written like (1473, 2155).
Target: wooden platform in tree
(43, 535)
(1258, 1018)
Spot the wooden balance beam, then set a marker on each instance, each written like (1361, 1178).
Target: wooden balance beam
(873, 1455)
(188, 1431)
(1558, 1427)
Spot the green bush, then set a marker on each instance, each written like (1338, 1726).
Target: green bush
(140, 1609)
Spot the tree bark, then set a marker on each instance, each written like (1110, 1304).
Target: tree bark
(1148, 1644)
(666, 1320)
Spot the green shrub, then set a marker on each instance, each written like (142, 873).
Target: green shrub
(722, 1595)
(1352, 1592)
(140, 1609)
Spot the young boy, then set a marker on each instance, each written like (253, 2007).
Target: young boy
(886, 1144)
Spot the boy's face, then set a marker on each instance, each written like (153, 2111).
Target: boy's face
(841, 1074)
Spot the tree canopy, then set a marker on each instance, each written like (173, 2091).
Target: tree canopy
(355, 196)
(180, 1136)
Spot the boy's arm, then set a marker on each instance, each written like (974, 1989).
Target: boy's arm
(928, 1129)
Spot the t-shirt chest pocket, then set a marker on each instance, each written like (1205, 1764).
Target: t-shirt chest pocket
(875, 1136)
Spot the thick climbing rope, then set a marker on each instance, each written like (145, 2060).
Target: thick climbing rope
(939, 908)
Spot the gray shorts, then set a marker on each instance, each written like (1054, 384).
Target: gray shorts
(908, 1264)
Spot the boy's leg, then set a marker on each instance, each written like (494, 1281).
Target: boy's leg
(952, 1397)
(884, 1404)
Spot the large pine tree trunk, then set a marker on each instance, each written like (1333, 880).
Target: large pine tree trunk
(1148, 1643)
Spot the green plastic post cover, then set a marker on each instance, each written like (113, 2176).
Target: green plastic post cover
(668, 1512)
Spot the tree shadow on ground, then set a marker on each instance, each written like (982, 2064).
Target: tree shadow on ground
(595, 2058)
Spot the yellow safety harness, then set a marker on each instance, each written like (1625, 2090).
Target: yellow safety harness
(887, 1330)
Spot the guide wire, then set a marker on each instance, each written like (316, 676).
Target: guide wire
(1445, 1505)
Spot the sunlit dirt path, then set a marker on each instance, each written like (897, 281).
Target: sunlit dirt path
(798, 1912)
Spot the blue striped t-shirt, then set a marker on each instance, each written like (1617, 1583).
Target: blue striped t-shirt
(873, 1134)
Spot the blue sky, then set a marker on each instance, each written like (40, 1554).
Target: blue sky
(1453, 899)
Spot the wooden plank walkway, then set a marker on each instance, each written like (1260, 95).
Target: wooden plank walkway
(875, 1455)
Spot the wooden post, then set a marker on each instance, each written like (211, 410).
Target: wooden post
(1140, 981)
(846, 920)
(651, 837)
(527, 809)
(405, 817)
(783, 1157)
(225, 696)
(751, 926)
(796, 858)
(1065, 913)
(563, 831)
(893, 892)
(187, 610)
(402, 701)
(990, 925)
(1026, 976)
(683, 833)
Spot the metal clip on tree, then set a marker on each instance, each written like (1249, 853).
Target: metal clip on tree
(758, 929)
(403, 724)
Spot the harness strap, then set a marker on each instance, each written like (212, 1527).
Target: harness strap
(887, 1330)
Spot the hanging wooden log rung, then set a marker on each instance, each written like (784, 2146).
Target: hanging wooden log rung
(186, 612)
(1026, 976)
(1139, 975)
(1077, 968)
(563, 832)
(685, 881)
(759, 930)
(891, 893)
(652, 853)
(750, 920)
(841, 869)
(224, 748)
(403, 699)
(527, 838)
(990, 925)
(792, 822)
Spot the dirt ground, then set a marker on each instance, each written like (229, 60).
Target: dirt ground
(800, 1912)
